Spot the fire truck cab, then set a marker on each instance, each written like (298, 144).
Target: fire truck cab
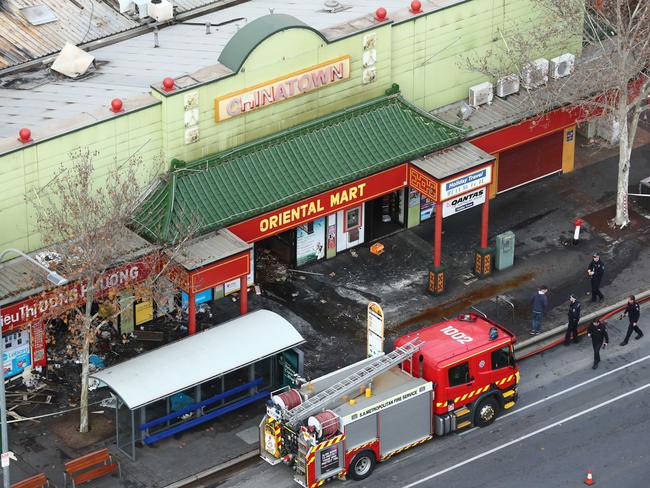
(437, 380)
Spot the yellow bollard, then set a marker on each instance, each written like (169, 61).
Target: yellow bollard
(368, 392)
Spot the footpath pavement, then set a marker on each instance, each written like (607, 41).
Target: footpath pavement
(327, 304)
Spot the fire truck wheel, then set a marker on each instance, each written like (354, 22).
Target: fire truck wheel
(362, 465)
(486, 412)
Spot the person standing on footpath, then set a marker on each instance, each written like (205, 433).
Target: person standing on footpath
(595, 270)
(574, 318)
(633, 312)
(599, 338)
(540, 304)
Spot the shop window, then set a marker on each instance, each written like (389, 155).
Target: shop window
(502, 358)
(459, 375)
(352, 219)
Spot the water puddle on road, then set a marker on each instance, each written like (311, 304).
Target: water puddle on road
(449, 309)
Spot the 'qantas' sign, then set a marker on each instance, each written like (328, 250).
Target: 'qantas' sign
(463, 202)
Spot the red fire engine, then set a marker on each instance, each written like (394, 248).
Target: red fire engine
(437, 380)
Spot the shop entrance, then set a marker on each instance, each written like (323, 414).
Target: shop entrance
(385, 215)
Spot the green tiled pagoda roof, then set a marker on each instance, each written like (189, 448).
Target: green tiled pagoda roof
(305, 160)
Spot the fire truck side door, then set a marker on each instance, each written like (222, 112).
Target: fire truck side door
(460, 379)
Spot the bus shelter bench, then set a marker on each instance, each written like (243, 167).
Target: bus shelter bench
(179, 427)
(36, 481)
(90, 467)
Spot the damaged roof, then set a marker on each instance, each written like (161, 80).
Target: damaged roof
(32, 29)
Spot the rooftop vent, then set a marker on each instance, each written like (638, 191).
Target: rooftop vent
(39, 14)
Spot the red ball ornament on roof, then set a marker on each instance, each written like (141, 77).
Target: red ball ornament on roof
(168, 84)
(24, 135)
(416, 7)
(380, 14)
(116, 105)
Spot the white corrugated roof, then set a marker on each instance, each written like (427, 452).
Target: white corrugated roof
(452, 160)
(210, 248)
(186, 363)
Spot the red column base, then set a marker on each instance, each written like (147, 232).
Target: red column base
(437, 280)
(483, 262)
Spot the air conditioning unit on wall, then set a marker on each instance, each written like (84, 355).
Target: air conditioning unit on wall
(535, 73)
(481, 94)
(507, 85)
(562, 65)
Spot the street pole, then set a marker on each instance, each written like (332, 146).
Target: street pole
(58, 280)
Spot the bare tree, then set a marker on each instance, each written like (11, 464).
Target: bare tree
(85, 221)
(610, 78)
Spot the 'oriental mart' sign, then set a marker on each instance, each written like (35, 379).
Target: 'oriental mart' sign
(32, 309)
(270, 92)
(340, 198)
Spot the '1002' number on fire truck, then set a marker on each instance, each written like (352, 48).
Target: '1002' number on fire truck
(456, 335)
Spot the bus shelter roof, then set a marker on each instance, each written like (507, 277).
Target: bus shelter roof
(188, 362)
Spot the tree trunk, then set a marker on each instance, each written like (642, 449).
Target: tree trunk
(622, 217)
(85, 356)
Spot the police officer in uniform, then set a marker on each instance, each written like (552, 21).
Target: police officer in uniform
(633, 312)
(574, 318)
(595, 270)
(599, 338)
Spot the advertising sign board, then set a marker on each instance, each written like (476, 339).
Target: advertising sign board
(375, 329)
(463, 202)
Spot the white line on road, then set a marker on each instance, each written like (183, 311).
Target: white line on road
(574, 387)
(524, 437)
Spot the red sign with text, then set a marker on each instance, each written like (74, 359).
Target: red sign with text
(33, 309)
(340, 198)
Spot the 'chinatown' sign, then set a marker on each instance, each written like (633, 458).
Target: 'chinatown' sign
(279, 89)
(62, 298)
(463, 202)
(340, 198)
(458, 185)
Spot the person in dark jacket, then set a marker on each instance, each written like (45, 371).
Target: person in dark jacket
(595, 270)
(633, 312)
(599, 338)
(574, 318)
(540, 304)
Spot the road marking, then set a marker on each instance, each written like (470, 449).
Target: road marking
(527, 436)
(574, 387)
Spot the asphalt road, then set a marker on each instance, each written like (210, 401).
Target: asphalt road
(569, 419)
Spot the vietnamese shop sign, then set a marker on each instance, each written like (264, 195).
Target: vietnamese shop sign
(466, 182)
(463, 202)
(18, 314)
(279, 89)
(340, 198)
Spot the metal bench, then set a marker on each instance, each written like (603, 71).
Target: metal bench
(90, 467)
(150, 438)
(37, 481)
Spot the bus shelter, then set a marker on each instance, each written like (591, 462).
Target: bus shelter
(201, 377)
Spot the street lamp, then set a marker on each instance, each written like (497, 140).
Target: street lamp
(58, 280)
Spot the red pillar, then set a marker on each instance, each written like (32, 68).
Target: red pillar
(483, 255)
(243, 295)
(484, 221)
(191, 312)
(437, 237)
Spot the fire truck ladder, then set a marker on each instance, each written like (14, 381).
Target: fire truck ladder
(355, 380)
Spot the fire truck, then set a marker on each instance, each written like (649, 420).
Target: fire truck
(437, 380)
